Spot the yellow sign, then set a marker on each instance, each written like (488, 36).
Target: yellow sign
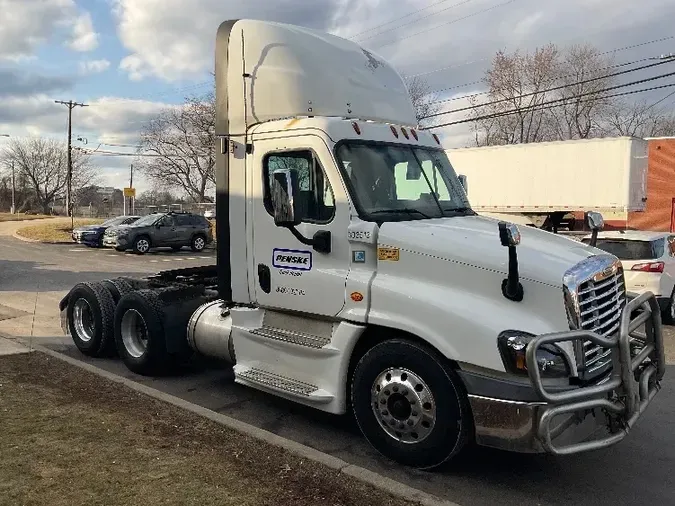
(390, 254)
(130, 192)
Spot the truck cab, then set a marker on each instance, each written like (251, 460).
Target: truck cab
(354, 276)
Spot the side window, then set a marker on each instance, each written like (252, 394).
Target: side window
(167, 221)
(315, 202)
(671, 245)
(183, 220)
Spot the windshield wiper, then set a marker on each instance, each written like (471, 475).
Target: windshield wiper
(460, 210)
(398, 211)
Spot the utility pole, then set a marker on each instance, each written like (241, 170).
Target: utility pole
(132, 200)
(13, 204)
(69, 179)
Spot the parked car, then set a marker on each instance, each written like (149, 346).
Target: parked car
(173, 229)
(92, 235)
(648, 260)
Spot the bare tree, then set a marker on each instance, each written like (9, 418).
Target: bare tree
(517, 83)
(41, 166)
(424, 99)
(551, 94)
(638, 119)
(178, 148)
(579, 117)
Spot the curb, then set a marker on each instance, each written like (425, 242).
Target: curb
(374, 479)
(15, 235)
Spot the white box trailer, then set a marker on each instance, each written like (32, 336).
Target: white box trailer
(543, 181)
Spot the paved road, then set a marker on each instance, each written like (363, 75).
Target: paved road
(637, 471)
(26, 266)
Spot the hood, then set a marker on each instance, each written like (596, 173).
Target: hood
(117, 228)
(88, 228)
(474, 241)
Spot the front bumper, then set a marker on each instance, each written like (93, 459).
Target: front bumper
(588, 417)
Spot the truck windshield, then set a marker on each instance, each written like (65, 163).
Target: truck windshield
(397, 182)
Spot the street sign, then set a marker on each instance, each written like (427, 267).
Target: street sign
(130, 192)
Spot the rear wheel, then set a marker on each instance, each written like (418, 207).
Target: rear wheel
(117, 288)
(410, 406)
(90, 314)
(198, 243)
(139, 334)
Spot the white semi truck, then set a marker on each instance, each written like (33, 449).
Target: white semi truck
(539, 183)
(353, 275)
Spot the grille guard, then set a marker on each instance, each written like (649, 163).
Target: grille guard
(623, 396)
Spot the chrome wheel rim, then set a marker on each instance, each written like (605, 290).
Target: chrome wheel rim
(403, 405)
(83, 319)
(134, 333)
(142, 245)
(199, 243)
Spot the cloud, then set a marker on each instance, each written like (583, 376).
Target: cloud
(94, 66)
(174, 39)
(84, 38)
(27, 24)
(19, 83)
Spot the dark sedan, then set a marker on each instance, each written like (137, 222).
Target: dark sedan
(92, 235)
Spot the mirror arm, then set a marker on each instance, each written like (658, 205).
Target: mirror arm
(321, 242)
(594, 238)
(300, 237)
(511, 286)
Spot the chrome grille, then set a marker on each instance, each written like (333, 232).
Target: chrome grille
(595, 295)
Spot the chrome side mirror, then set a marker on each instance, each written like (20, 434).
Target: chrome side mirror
(595, 223)
(595, 220)
(509, 234)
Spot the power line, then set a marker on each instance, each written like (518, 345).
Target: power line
(540, 107)
(418, 19)
(447, 23)
(616, 50)
(548, 90)
(618, 65)
(397, 19)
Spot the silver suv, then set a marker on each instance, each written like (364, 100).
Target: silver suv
(173, 229)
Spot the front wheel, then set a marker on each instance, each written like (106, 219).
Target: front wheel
(410, 406)
(141, 245)
(668, 315)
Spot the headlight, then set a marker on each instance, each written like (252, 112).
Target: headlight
(551, 359)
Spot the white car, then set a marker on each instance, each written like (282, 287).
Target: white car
(648, 260)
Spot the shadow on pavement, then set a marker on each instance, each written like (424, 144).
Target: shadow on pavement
(20, 276)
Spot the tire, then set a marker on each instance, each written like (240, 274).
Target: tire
(668, 315)
(142, 327)
(142, 245)
(139, 333)
(404, 376)
(198, 243)
(90, 311)
(117, 288)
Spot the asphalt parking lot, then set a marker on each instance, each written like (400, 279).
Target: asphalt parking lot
(636, 471)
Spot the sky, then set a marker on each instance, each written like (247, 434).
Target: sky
(129, 59)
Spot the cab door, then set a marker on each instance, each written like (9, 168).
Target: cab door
(288, 274)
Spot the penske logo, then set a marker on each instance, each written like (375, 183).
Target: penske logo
(299, 260)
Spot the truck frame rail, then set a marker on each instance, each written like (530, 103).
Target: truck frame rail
(638, 366)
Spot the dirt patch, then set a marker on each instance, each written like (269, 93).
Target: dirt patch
(56, 231)
(69, 437)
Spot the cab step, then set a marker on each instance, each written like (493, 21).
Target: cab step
(293, 337)
(255, 377)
